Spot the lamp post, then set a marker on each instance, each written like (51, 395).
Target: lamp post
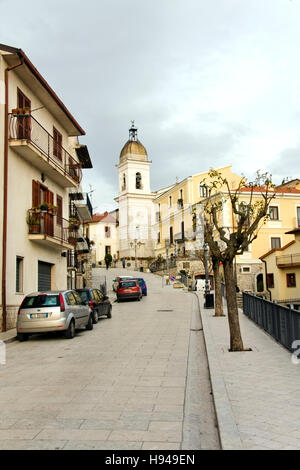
(209, 300)
(135, 244)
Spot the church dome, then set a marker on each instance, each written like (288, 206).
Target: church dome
(133, 149)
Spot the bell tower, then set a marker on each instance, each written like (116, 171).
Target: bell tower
(135, 199)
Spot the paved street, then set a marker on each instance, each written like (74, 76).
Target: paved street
(137, 381)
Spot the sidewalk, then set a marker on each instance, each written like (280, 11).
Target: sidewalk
(9, 336)
(256, 393)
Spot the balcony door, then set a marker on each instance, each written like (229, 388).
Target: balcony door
(24, 123)
(41, 194)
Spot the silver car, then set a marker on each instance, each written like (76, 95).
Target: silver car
(41, 312)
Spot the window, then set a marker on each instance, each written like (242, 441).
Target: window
(59, 203)
(298, 216)
(23, 123)
(203, 190)
(70, 299)
(158, 237)
(275, 243)
(138, 181)
(270, 281)
(170, 201)
(107, 232)
(19, 274)
(57, 144)
(107, 250)
(274, 213)
(246, 269)
(182, 230)
(171, 236)
(291, 280)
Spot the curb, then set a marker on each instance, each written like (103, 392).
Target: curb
(229, 434)
(8, 338)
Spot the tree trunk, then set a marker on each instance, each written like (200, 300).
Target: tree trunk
(236, 342)
(218, 288)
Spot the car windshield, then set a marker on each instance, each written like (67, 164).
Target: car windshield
(84, 295)
(128, 284)
(41, 301)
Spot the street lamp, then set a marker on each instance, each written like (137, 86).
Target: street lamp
(135, 244)
(209, 298)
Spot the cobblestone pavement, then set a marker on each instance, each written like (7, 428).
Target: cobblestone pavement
(130, 383)
(262, 386)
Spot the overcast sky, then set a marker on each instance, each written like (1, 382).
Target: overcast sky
(208, 82)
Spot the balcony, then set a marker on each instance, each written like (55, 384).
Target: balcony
(33, 143)
(84, 207)
(51, 230)
(288, 261)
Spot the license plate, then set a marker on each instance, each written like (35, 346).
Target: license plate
(127, 290)
(39, 315)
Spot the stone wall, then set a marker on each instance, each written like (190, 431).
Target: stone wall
(11, 316)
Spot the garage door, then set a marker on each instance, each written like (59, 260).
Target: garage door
(44, 276)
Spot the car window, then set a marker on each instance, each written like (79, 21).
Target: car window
(95, 296)
(77, 298)
(41, 301)
(128, 284)
(84, 294)
(70, 298)
(100, 294)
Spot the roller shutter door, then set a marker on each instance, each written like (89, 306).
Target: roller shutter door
(44, 276)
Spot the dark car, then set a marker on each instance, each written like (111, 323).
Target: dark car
(97, 301)
(129, 289)
(142, 284)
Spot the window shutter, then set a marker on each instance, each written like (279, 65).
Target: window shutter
(36, 194)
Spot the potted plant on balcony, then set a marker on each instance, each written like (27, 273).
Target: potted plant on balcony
(74, 224)
(44, 207)
(33, 222)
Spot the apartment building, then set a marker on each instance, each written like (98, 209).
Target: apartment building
(41, 162)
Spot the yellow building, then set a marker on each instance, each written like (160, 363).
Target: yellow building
(282, 271)
(175, 222)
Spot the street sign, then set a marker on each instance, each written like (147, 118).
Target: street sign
(172, 278)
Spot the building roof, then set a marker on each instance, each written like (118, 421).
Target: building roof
(107, 217)
(134, 147)
(11, 60)
(277, 249)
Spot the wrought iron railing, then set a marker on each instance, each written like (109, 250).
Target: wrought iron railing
(28, 128)
(52, 225)
(280, 322)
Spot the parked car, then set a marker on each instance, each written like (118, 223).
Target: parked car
(97, 301)
(142, 284)
(129, 289)
(41, 312)
(118, 279)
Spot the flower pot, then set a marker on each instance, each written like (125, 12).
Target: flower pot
(34, 229)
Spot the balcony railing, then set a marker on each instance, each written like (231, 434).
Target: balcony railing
(28, 128)
(51, 227)
(288, 260)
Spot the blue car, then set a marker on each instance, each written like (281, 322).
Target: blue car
(142, 284)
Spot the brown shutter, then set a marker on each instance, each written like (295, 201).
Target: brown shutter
(59, 203)
(36, 194)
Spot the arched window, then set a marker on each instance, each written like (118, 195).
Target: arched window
(124, 182)
(138, 181)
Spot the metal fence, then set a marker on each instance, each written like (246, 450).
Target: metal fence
(162, 265)
(282, 323)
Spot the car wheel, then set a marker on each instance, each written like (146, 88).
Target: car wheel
(138, 299)
(109, 312)
(90, 324)
(95, 317)
(70, 332)
(22, 336)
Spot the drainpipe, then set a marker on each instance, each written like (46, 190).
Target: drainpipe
(266, 271)
(5, 191)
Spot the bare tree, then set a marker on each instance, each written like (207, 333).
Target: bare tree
(225, 243)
